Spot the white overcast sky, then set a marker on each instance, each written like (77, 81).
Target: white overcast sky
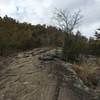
(40, 11)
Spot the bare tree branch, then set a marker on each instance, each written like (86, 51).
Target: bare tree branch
(67, 21)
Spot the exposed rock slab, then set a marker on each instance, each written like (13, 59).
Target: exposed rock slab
(25, 78)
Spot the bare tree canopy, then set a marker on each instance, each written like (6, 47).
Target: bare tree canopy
(66, 20)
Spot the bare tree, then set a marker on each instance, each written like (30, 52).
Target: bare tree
(67, 21)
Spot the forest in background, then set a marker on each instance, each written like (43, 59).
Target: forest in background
(16, 36)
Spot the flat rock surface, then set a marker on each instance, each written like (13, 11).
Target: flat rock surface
(21, 78)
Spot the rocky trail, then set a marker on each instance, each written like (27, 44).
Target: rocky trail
(23, 77)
